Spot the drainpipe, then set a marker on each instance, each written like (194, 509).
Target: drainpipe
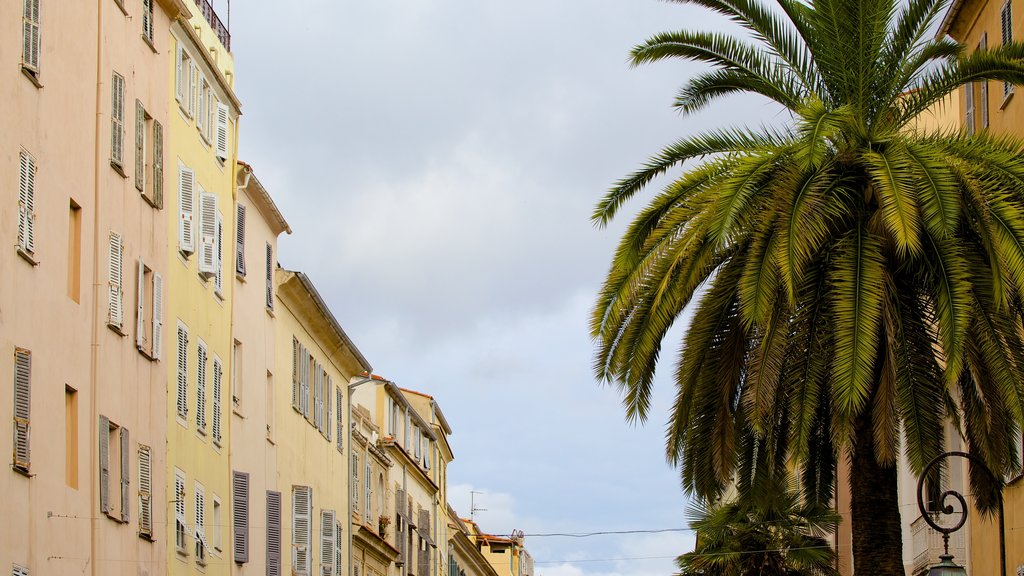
(95, 337)
(348, 427)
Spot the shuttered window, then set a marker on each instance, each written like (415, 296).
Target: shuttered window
(158, 317)
(125, 475)
(182, 373)
(339, 546)
(158, 165)
(983, 104)
(218, 378)
(145, 492)
(22, 408)
(969, 107)
(193, 84)
(201, 363)
(186, 205)
(326, 395)
(218, 275)
(207, 232)
(117, 120)
(318, 399)
(200, 524)
(27, 202)
(302, 543)
(338, 414)
(140, 146)
(355, 482)
(147, 19)
(327, 539)
(1006, 27)
(240, 240)
(104, 455)
(368, 491)
(115, 281)
(30, 36)
(240, 515)
(304, 382)
(180, 528)
(270, 276)
(221, 131)
(201, 113)
(273, 533)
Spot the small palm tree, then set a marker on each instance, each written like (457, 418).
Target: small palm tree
(857, 278)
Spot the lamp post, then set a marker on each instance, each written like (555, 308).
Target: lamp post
(946, 566)
(348, 442)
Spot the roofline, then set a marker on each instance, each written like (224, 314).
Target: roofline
(307, 284)
(264, 196)
(399, 392)
(205, 55)
(436, 408)
(947, 20)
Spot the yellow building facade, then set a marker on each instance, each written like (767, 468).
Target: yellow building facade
(373, 498)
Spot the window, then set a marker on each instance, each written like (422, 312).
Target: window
(145, 492)
(969, 107)
(182, 374)
(218, 375)
(218, 275)
(70, 437)
(200, 524)
(147, 20)
(30, 38)
(149, 315)
(221, 130)
(273, 533)
(27, 203)
(1006, 27)
(338, 413)
(180, 528)
(202, 113)
(115, 277)
(201, 361)
(355, 482)
(302, 537)
(218, 524)
(117, 122)
(270, 277)
(186, 200)
(240, 515)
(207, 233)
(114, 456)
(429, 446)
(185, 81)
(300, 378)
(327, 541)
(236, 373)
(74, 251)
(240, 240)
(368, 485)
(22, 408)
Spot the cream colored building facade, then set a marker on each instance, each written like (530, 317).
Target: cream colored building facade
(464, 556)
(373, 499)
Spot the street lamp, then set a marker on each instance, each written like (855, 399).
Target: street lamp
(348, 442)
(946, 566)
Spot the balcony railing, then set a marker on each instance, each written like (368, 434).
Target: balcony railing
(928, 545)
(218, 27)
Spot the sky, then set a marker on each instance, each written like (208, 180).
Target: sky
(438, 162)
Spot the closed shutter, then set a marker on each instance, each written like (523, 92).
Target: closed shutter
(193, 74)
(355, 482)
(158, 316)
(240, 515)
(295, 374)
(328, 387)
(182, 396)
(327, 542)
(318, 393)
(22, 408)
(140, 146)
(115, 301)
(221, 135)
(104, 433)
(273, 533)
(180, 69)
(304, 381)
(125, 475)
(368, 491)
(969, 107)
(207, 232)
(338, 414)
(27, 202)
(30, 36)
(147, 19)
(158, 164)
(1006, 27)
(201, 361)
(186, 205)
(140, 316)
(983, 105)
(302, 506)
(200, 524)
(240, 239)
(218, 275)
(117, 119)
(218, 377)
(270, 276)
(339, 546)
(145, 491)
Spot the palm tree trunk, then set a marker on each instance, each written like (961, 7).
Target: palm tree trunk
(874, 507)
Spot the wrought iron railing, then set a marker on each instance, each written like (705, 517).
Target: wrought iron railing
(218, 27)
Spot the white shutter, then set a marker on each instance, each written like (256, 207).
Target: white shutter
(218, 376)
(30, 36)
(26, 202)
(221, 135)
(339, 412)
(147, 19)
(19, 570)
(328, 387)
(1006, 27)
(302, 505)
(201, 358)
(200, 513)
(240, 239)
(179, 510)
(145, 491)
(355, 482)
(140, 318)
(368, 490)
(339, 546)
(304, 393)
(327, 542)
(115, 300)
(158, 316)
(182, 396)
(201, 113)
(140, 146)
(104, 434)
(296, 388)
(218, 275)
(179, 75)
(192, 76)
(186, 205)
(125, 475)
(207, 231)
(22, 408)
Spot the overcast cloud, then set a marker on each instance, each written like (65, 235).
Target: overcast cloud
(438, 161)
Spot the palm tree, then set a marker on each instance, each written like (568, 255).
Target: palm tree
(854, 276)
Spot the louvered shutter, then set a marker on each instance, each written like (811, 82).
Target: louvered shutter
(270, 276)
(338, 414)
(158, 316)
(158, 164)
(318, 402)
(186, 205)
(240, 239)
(273, 533)
(368, 490)
(328, 386)
(140, 317)
(355, 482)
(182, 396)
(115, 316)
(218, 374)
(201, 361)
(192, 75)
(207, 232)
(117, 119)
(200, 524)
(1006, 27)
(125, 475)
(327, 542)
(147, 19)
(221, 134)
(295, 375)
(179, 511)
(983, 105)
(304, 381)
(201, 112)
(104, 433)
(969, 107)
(179, 75)
(302, 506)
(339, 546)
(22, 408)
(27, 202)
(240, 515)
(145, 491)
(140, 146)
(19, 571)
(218, 275)
(30, 36)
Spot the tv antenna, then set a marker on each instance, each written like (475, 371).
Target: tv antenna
(472, 505)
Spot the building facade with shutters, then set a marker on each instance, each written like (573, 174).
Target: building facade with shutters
(84, 268)
(464, 557)
(373, 499)
(315, 360)
(199, 212)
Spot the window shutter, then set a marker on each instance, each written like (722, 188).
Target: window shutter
(339, 546)
(240, 239)
(147, 19)
(304, 383)
(140, 317)
(273, 533)
(201, 112)
(368, 489)
(104, 433)
(240, 515)
(318, 411)
(182, 397)
(30, 36)
(1006, 27)
(179, 511)
(186, 201)
(19, 570)
(200, 524)
(140, 146)
(295, 374)
(328, 386)
(125, 475)
(145, 492)
(218, 276)
(27, 202)
(327, 542)
(207, 232)
(221, 135)
(270, 276)
(302, 505)
(158, 164)
(355, 482)
(192, 75)
(117, 119)
(338, 414)
(22, 408)
(201, 358)
(158, 316)
(116, 275)
(217, 380)
(179, 75)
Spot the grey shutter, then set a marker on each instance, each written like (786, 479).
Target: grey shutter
(26, 202)
(338, 415)
(158, 164)
(240, 515)
(30, 36)
(182, 392)
(145, 492)
(117, 119)
(273, 533)
(327, 542)
(125, 475)
(270, 276)
(295, 374)
(302, 507)
(104, 433)
(240, 240)
(140, 146)
(22, 408)
(1006, 27)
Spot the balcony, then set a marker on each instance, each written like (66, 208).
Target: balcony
(928, 545)
(218, 27)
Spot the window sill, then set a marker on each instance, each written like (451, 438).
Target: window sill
(118, 168)
(1006, 100)
(27, 256)
(149, 42)
(32, 76)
